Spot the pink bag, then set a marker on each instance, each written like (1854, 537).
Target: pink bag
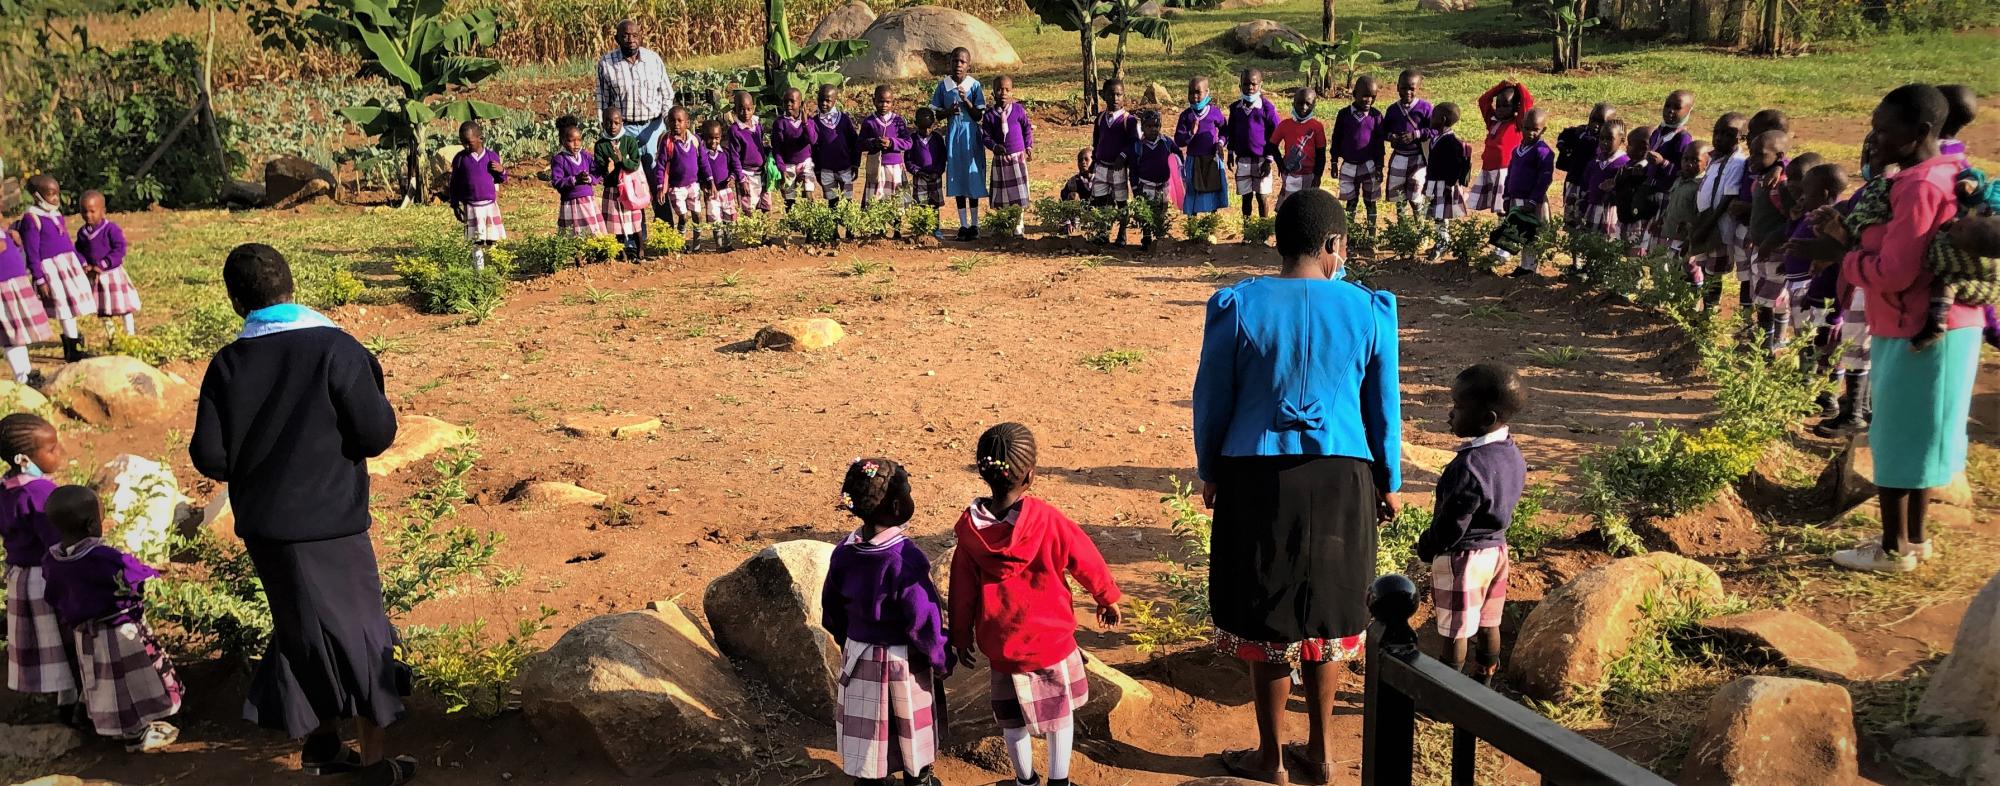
(1176, 188)
(633, 191)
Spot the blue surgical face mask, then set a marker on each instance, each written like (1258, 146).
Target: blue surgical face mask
(1867, 172)
(28, 466)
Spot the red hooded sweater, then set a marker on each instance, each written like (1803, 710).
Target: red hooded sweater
(1007, 587)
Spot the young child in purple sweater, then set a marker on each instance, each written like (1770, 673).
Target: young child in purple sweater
(475, 177)
(836, 148)
(573, 174)
(53, 264)
(101, 244)
(128, 684)
(880, 604)
(37, 659)
(1466, 543)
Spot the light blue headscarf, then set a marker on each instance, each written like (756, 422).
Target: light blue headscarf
(280, 318)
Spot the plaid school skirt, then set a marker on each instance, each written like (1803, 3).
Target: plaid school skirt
(70, 294)
(1469, 590)
(927, 188)
(1602, 219)
(836, 184)
(720, 206)
(1007, 180)
(579, 217)
(1736, 246)
(884, 180)
(619, 221)
(116, 296)
(37, 661)
(1575, 203)
(888, 716)
(22, 318)
(1767, 281)
(482, 223)
(1149, 190)
(1291, 184)
(1854, 339)
(1360, 179)
(127, 680)
(1805, 315)
(1044, 700)
(1248, 182)
(750, 193)
(1406, 178)
(795, 180)
(1447, 200)
(1109, 183)
(1488, 190)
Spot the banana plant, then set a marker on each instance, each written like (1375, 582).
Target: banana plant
(1567, 21)
(1320, 60)
(788, 65)
(1075, 16)
(425, 54)
(1122, 19)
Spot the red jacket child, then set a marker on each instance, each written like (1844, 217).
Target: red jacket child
(1007, 588)
(1501, 139)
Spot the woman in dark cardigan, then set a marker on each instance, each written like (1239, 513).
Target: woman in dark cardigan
(289, 415)
(1298, 442)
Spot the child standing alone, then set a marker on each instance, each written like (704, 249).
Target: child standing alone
(101, 243)
(1010, 600)
(96, 590)
(1466, 543)
(881, 607)
(38, 659)
(475, 179)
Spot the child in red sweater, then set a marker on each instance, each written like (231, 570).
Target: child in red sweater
(1010, 601)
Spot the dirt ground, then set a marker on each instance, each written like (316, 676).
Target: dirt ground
(941, 344)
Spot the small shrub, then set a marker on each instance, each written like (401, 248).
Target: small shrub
(327, 286)
(194, 334)
(1408, 236)
(1001, 222)
(601, 248)
(1469, 241)
(215, 606)
(1060, 216)
(878, 219)
(1396, 543)
(1528, 533)
(965, 264)
(1663, 471)
(920, 221)
(663, 240)
(540, 255)
(1153, 217)
(1114, 359)
(814, 221)
(1156, 626)
(1605, 262)
(1100, 222)
(754, 228)
(1184, 616)
(446, 288)
(1203, 227)
(460, 666)
(1557, 357)
(862, 267)
(1257, 231)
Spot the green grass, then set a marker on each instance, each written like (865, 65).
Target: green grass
(1114, 359)
(1556, 357)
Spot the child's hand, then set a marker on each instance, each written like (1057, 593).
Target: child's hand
(1391, 506)
(968, 657)
(1109, 615)
(43, 288)
(1653, 157)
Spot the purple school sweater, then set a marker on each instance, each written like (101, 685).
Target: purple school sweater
(748, 142)
(674, 166)
(792, 140)
(1153, 161)
(1006, 130)
(24, 520)
(1531, 172)
(1596, 174)
(472, 178)
(43, 237)
(1250, 129)
(880, 593)
(101, 246)
(1476, 496)
(892, 128)
(1414, 118)
(1797, 267)
(1199, 133)
(1111, 138)
(716, 167)
(13, 264)
(926, 155)
(1356, 134)
(572, 175)
(1669, 143)
(836, 146)
(93, 582)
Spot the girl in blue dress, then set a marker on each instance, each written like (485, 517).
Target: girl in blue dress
(961, 102)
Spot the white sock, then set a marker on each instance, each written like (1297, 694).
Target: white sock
(69, 327)
(17, 358)
(975, 215)
(1020, 751)
(1059, 745)
(478, 258)
(131, 325)
(1529, 260)
(961, 219)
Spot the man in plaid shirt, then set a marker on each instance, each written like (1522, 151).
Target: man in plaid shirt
(634, 80)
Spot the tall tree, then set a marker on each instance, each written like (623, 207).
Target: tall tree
(1122, 19)
(1075, 16)
(1326, 21)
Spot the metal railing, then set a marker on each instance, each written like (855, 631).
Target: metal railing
(1401, 682)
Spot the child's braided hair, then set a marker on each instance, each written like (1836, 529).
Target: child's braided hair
(19, 434)
(1005, 457)
(877, 490)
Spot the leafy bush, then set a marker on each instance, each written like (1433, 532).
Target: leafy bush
(1528, 533)
(441, 276)
(814, 221)
(1606, 262)
(1100, 222)
(754, 228)
(921, 221)
(1663, 471)
(1758, 396)
(540, 255)
(1059, 216)
(662, 239)
(1001, 221)
(327, 286)
(600, 248)
(1203, 227)
(1408, 236)
(1468, 241)
(194, 334)
(461, 666)
(217, 606)
(1257, 230)
(1156, 218)
(1396, 543)
(1184, 617)
(878, 219)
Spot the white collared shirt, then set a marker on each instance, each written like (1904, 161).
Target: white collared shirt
(1497, 435)
(640, 87)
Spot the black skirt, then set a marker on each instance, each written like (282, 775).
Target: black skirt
(333, 652)
(1293, 547)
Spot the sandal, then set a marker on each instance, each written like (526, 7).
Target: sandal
(390, 772)
(344, 760)
(1301, 764)
(1240, 764)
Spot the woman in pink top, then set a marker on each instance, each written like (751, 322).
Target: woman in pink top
(1921, 397)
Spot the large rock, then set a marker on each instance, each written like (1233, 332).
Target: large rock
(847, 21)
(1964, 695)
(39, 741)
(766, 616)
(418, 437)
(612, 425)
(218, 517)
(553, 494)
(1783, 638)
(916, 42)
(1582, 626)
(143, 501)
(799, 335)
(290, 181)
(1260, 37)
(1446, 6)
(646, 690)
(1761, 731)
(116, 390)
(1155, 94)
(1117, 708)
(1973, 761)
(16, 397)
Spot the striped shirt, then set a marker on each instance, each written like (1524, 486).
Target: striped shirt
(638, 87)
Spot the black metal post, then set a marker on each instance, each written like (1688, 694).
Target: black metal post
(1389, 717)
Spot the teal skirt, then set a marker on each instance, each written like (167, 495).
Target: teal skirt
(1921, 402)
